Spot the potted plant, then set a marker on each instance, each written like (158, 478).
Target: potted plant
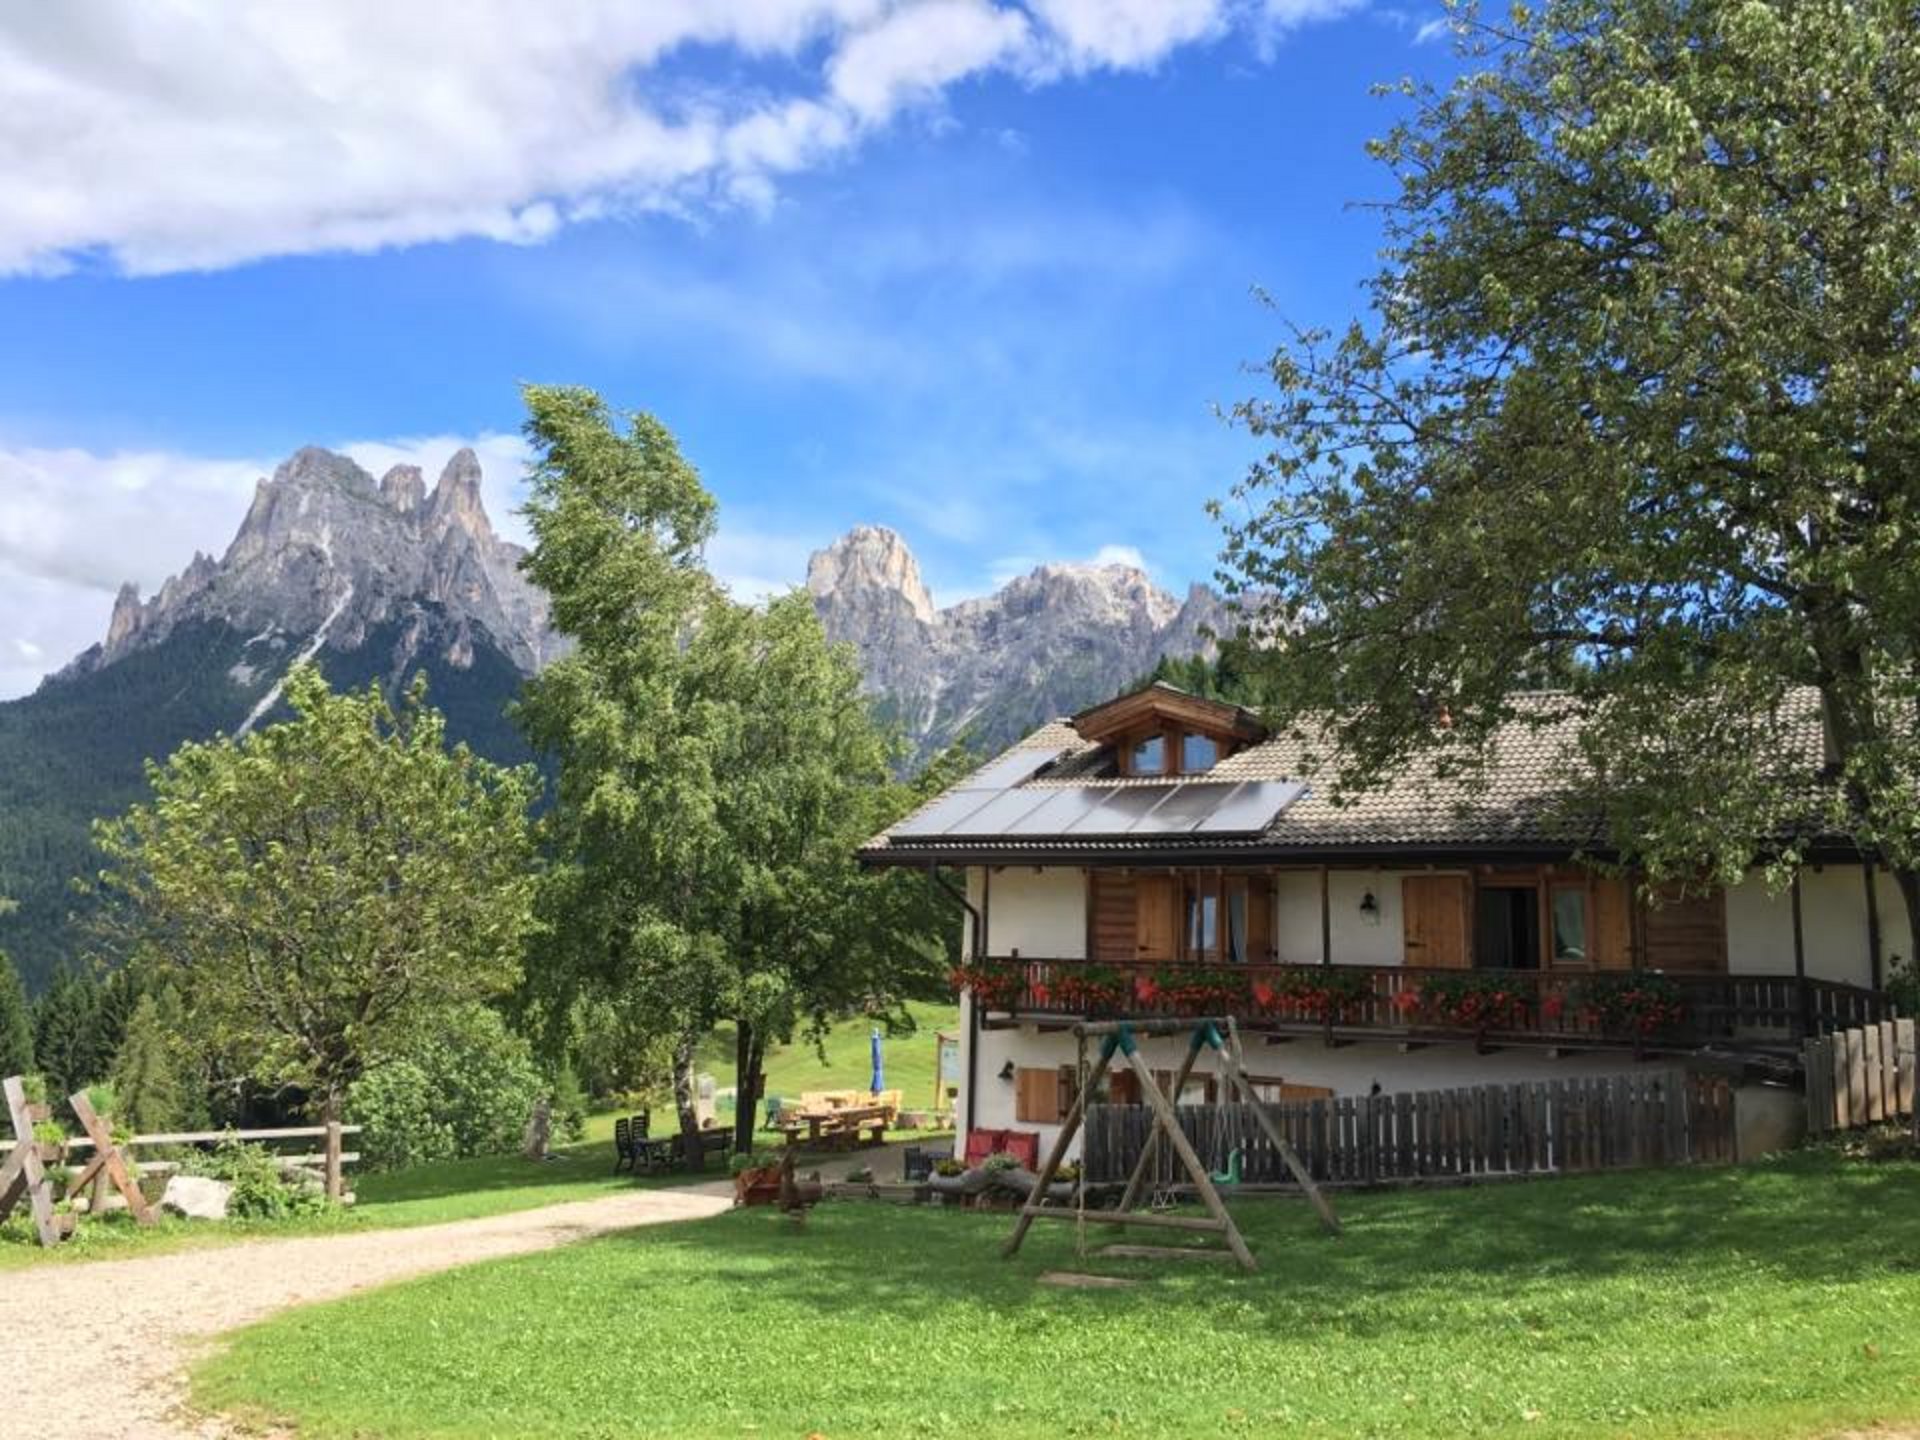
(1640, 1003)
(1094, 990)
(1480, 1002)
(756, 1178)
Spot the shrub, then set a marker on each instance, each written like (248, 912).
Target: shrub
(998, 1162)
(260, 1190)
(1903, 985)
(949, 1167)
(395, 1104)
(465, 1087)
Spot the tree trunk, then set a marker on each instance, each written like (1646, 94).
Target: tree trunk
(683, 1085)
(749, 1050)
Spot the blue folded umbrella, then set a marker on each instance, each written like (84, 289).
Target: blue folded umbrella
(879, 1067)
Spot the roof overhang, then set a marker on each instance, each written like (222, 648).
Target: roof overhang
(1167, 704)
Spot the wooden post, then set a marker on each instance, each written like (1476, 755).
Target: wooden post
(1068, 1129)
(1237, 1078)
(1326, 919)
(108, 1163)
(336, 1187)
(23, 1171)
(1800, 963)
(1137, 1181)
(1202, 1179)
(1875, 977)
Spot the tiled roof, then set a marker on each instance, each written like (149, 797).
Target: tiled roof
(1518, 800)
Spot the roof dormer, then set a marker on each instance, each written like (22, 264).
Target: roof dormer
(1162, 731)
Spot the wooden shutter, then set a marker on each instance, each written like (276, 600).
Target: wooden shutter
(1123, 1087)
(1435, 921)
(1036, 1095)
(1112, 918)
(1612, 922)
(1259, 920)
(1156, 933)
(1687, 932)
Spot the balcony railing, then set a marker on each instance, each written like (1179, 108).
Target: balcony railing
(1641, 1009)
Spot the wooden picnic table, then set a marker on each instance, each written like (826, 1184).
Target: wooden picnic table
(832, 1124)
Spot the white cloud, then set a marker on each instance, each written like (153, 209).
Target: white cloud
(196, 135)
(1433, 30)
(1127, 555)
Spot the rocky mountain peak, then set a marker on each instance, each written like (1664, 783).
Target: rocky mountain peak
(328, 556)
(870, 559)
(404, 488)
(1046, 643)
(456, 503)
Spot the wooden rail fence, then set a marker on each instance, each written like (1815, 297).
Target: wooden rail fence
(1665, 1117)
(1860, 1077)
(329, 1155)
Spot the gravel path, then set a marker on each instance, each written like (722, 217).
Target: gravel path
(116, 1335)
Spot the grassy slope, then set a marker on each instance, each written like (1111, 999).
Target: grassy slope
(1773, 1300)
(792, 1069)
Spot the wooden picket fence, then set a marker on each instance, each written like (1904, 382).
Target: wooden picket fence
(1860, 1077)
(1664, 1117)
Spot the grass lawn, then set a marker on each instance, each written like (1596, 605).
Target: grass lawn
(1776, 1300)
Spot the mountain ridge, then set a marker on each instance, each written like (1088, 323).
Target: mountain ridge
(379, 579)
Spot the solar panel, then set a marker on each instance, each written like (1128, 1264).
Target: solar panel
(1251, 808)
(999, 813)
(1010, 769)
(1116, 810)
(944, 813)
(1061, 810)
(1183, 810)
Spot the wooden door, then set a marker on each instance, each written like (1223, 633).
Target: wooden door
(1156, 928)
(1110, 917)
(1686, 932)
(1612, 922)
(1435, 912)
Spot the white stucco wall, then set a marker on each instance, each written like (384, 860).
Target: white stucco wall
(1833, 924)
(1039, 913)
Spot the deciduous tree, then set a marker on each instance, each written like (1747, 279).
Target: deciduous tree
(316, 887)
(718, 767)
(1637, 405)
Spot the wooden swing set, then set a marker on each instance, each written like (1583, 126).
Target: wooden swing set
(1119, 1044)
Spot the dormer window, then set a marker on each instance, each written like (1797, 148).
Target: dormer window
(1163, 732)
(1148, 757)
(1198, 754)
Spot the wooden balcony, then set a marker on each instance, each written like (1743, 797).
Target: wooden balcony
(1610, 1009)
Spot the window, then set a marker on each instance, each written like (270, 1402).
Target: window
(1569, 925)
(1237, 923)
(1198, 753)
(1203, 923)
(1149, 756)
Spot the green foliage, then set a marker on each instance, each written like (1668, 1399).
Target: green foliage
(570, 1103)
(398, 1110)
(261, 1191)
(465, 1086)
(1569, 1309)
(16, 1022)
(1632, 412)
(316, 887)
(66, 1036)
(718, 768)
(149, 1075)
(1903, 986)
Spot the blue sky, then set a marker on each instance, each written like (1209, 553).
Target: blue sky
(977, 272)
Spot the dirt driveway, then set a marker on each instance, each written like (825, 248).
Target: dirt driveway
(114, 1336)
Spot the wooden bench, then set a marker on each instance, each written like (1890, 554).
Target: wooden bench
(672, 1151)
